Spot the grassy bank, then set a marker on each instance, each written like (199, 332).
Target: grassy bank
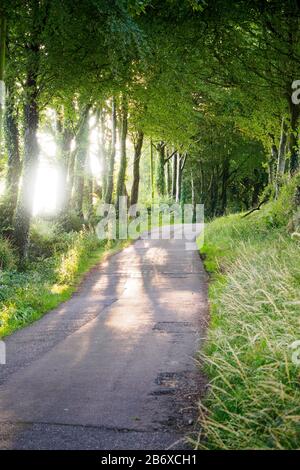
(58, 264)
(254, 394)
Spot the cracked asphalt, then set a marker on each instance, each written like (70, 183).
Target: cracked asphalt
(114, 367)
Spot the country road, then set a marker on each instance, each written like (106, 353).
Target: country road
(114, 367)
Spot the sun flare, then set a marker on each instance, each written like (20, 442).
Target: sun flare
(46, 187)
(45, 196)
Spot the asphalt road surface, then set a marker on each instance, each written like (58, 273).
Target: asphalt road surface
(114, 367)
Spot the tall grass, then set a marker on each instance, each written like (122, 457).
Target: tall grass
(8, 259)
(253, 400)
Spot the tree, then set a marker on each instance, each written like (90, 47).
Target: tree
(13, 150)
(121, 188)
(160, 176)
(64, 136)
(112, 156)
(2, 68)
(44, 37)
(138, 144)
(82, 142)
(31, 119)
(209, 83)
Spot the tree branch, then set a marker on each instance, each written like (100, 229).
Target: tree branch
(255, 208)
(170, 156)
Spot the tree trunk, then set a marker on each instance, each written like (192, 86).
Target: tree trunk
(151, 171)
(64, 139)
(256, 188)
(89, 191)
(82, 139)
(102, 152)
(174, 175)
(168, 174)
(136, 168)
(281, 155)
(13, 151)
(213, 194)
(121, 189)
(225, 177)
(31, 150)
(71, 178)
(193, 196)
(111, 165)
(180, 167)
(160, 177)
(2, 70)
(272, 161)
(201, 182)
(293, 137)
(65, 163)
(272, 164)
(179, 178)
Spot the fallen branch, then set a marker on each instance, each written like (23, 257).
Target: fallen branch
(255, 208)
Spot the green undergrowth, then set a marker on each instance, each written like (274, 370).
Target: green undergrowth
(253, 400)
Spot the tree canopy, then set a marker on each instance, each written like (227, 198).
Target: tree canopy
(186, 100)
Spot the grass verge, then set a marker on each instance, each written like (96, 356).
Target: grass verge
(253, 400)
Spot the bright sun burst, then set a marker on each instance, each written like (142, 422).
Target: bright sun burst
(45, 198)
(46, 192)
(46, 187)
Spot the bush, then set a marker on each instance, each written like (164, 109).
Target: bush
(7, 255)
(70, 222)
(83, 244)
(279, 212)
(6, 216)
(47, 239)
